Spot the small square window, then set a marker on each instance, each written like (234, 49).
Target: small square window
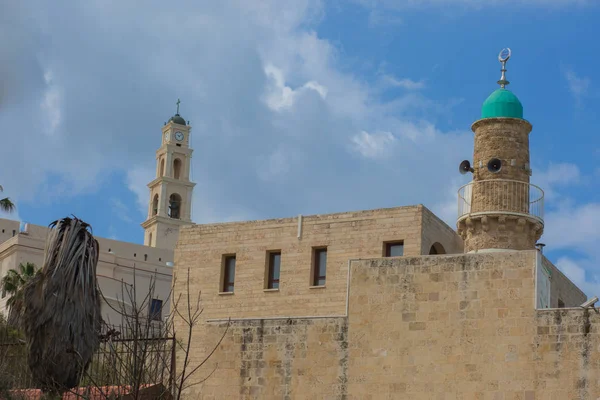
(319, 270)
(228, 273)
(273, 269)
(393, 249)
(156, 310)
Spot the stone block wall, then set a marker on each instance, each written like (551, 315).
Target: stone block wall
(566, 355)
(274, 359)
(441, 327)
(428, 327)
(346, 235)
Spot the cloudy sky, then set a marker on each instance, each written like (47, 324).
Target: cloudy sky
(299, 106)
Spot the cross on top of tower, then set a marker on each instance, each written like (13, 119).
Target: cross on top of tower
(503, 58)
(178, 101)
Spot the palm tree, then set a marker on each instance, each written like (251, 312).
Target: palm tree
(61, 314)
(5, 204)
(12, 284)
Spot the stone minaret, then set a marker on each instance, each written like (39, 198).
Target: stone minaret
(170, 203)
(499, 209)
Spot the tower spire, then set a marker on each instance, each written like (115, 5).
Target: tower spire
(503, 58)
(178, 101)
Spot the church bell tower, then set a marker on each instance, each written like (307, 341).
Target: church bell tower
(499, 209)
(171, 190)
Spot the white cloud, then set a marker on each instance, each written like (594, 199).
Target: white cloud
(556, 176)
(579, 273)
(275, 165)
(559, 174)
(279, 96)
(404, 83)
(121, 210)
(51, 103)
(574, 227)
(477, 4)
(137, 179)
(373, 145)
(270, 88)
(379, 18)
(578, 86)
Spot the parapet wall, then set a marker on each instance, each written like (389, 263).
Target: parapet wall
(278, 359)
(566, 355)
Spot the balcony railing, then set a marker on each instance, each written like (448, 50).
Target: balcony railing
(501, 196)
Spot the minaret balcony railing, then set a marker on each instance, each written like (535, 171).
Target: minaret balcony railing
(501, 196)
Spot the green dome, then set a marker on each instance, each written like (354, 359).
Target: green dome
(177, 119)
(502, 103)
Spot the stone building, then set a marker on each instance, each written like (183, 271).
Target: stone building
(169, 207)
(393, 303)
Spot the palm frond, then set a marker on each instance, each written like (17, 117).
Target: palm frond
(6, 205)
(61, 314)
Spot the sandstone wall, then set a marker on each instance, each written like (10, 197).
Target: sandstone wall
(441, 327)
(274, 359)
(347, 235)
(566, 355)
(430, 327)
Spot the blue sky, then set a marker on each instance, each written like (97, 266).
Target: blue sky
(300, 106)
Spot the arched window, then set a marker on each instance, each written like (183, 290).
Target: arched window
(177, 168)
(437, 248)
(155, 205)
(162, 167)
(174, 206)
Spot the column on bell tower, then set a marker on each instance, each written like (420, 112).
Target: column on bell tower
(170, 192)
(499, 209)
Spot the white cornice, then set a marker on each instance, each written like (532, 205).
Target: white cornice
(165, 179)
(165, 220)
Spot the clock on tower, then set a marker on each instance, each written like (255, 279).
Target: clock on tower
(171, 190)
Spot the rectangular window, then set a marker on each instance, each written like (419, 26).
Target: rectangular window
(394, 249)
(156, 310)
(319, 266)
(274, 267)
(228, 273)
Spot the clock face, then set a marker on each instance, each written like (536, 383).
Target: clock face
(166, 136)
(179, 136)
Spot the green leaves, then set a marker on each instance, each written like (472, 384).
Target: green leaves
(12, 284)
(5, 204)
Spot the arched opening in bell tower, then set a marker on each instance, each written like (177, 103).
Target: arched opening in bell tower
(162, 167)
(155, 205)
(177, 168)
(174, 206)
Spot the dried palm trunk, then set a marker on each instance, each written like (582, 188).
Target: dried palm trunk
(61, 315)
(15, 313)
